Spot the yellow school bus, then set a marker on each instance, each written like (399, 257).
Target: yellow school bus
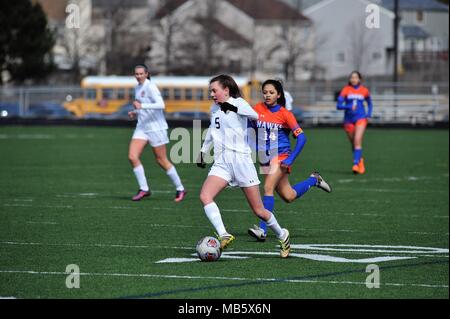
(107, 94)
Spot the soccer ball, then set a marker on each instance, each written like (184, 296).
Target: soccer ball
(208, 249)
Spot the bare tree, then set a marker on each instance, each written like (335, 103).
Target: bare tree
(360, 43)
(199, 44)
(79, 45)
(293, 47)
(125, 46)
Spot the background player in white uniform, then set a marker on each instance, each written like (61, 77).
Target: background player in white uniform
(289, 101)
(151, 129)
(233, 163)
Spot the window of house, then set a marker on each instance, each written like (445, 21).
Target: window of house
(376, 56)
(420, 16)
(340, 57)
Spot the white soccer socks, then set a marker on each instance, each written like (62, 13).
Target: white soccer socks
(142, 180)
(173, 175)
(213, 213)
(273, 224)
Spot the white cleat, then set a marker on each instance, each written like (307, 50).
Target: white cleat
(321, 183)
(257, 233)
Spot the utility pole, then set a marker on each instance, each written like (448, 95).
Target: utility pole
(396, 29)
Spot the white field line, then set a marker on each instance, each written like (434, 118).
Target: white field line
(298, 229)
(96, 195)
(390, 179)
(223, 210)
(41, 223)
(79, 207)
(93, 245)
(157, 276)
(390, 190)
(26, 136)
(339, 214)
(45, 136)
(231, 250)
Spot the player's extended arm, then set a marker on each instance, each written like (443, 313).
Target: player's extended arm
(246, 110)
(301, 141)
(241, 108)
(341, 105)
(370, 106)
(208, 142)
(205, 149)
(158, 102)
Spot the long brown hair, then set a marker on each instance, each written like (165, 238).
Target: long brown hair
(227, 81)
(280, 90)
(358, 74)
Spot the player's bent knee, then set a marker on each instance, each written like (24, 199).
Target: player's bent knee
(288, 199)
(164, 162)
(133, 158)
(206, 199)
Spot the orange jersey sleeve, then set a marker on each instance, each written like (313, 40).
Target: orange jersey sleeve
(292, 123)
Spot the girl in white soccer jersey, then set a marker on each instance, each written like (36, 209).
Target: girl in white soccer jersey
(233, 164)
(151, 129)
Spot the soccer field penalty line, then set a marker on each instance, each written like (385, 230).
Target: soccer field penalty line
(187, 277)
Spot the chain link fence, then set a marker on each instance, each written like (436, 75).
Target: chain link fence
(314, 104)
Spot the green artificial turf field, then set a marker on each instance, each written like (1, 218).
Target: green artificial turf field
(65, 199)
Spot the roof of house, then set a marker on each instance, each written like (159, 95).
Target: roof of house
(413, 31)
(54, 10)
(169, 7)
(223, 32)
(425, 5)
(257, 9)
(268, 10)
(319, 5)
(123, 3)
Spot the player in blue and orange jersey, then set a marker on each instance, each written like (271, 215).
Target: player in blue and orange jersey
(273, 129)
(353, 99)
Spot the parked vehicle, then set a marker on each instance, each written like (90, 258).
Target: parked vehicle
(47, 110)
(9, 110)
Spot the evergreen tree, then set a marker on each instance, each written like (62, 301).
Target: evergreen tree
(25, 41)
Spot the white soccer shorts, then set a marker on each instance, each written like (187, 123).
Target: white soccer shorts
(237, 169)
(156, 139)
